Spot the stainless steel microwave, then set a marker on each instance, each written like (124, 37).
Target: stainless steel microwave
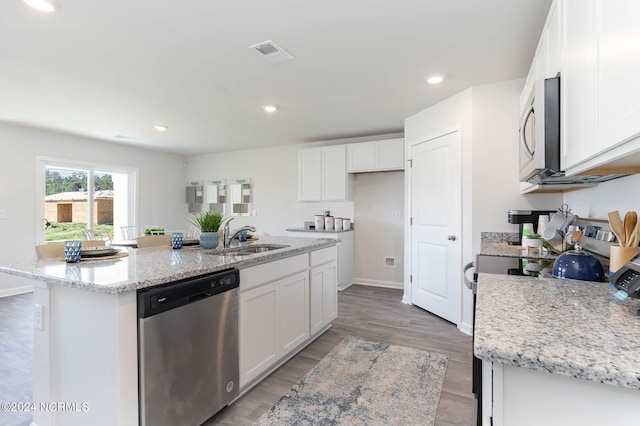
(540, 133)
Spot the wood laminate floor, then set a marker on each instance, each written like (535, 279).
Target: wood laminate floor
(16, 356)
(363, 311)
(377, 314)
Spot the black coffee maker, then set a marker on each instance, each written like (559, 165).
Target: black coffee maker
(520, 217)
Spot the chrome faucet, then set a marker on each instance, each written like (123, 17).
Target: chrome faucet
(228, 235)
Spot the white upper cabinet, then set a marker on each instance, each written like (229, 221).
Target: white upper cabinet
(310, 174)
(600, 84)
(546, 62)
(375, 156)
(578, 88)
(322, 174)
(619, 71)
(553, 37)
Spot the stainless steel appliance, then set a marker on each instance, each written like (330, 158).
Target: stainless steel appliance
(596, 238)
(540, 140)
(540, 132)
(188, 349)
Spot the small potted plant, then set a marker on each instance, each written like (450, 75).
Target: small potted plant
(208, 223)
(534, 242)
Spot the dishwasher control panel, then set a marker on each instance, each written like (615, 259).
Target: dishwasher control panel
(172, 295)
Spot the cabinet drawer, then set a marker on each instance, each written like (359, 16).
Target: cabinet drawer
(268, 272)
(319, 257)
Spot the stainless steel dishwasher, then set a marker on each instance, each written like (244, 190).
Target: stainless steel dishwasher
(188, 349)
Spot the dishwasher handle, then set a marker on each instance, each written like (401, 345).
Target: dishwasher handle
(196, 297)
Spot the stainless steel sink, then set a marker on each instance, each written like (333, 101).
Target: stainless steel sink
(245, 251)
(231, 254)
(260, 249)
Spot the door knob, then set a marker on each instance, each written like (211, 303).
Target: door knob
(451, 238)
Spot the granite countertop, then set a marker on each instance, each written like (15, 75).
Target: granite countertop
(505, 250)
(319, 231)
(567, 327)
(146, 267)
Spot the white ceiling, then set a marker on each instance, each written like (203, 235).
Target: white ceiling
(117, 67)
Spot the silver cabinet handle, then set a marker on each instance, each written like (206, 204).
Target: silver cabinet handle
(466, 279)
(523, 139)
(451, 238)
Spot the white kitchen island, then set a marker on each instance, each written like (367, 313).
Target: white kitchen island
(556, 352)
(86, 337)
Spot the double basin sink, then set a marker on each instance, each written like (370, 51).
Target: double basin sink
(241, 252)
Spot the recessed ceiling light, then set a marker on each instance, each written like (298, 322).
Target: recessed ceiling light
(41, 5)
(270, 108)
(160, 127)
(435, 78)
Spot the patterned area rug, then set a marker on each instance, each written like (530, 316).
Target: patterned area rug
(361, 382)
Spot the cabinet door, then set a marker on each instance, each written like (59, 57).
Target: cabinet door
(579, 79)
(294, 310)
(390, 154)
(310, 174)
(330, 292)
(324, 296)
(258, 329)
(619, 71)
(552, 36)
(361, 157)
(334, 173)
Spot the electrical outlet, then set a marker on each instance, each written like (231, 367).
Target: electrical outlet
(397, 215)
(38, 316)
(3, 213)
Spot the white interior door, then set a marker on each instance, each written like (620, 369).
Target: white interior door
(436, 255)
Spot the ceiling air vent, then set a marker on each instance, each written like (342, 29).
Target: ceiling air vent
(272, 52)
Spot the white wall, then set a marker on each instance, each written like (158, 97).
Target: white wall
(275, 177)
(160, 183)
(488, 117)
(495, 179)
(620, 194)
(377, 198)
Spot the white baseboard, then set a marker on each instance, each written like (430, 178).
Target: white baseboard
(16, 290)
(466, 328)
(376, 283)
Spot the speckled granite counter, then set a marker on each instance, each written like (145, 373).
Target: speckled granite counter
(570, 328)
(319, 231)
(497, 244)
(154, 265)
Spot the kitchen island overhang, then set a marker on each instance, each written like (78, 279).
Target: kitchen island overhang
(86, 344)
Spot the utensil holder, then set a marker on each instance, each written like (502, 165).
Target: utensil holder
(619, 256)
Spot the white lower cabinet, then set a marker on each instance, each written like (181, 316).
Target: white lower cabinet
(273, 313)
(258, 328)
(344, 253)
(277, 305)
(294, 308)
(323, 296)
(516, 396)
